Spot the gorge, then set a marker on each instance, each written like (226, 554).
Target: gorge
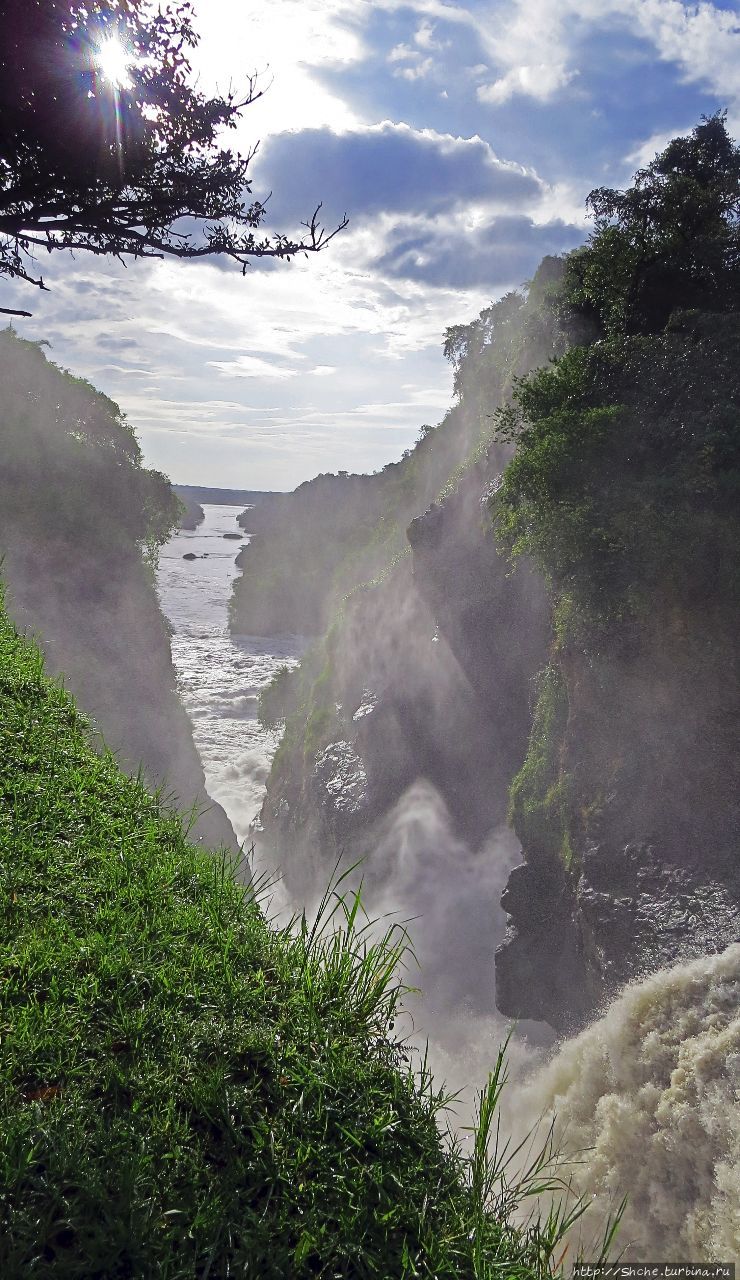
(498, 680)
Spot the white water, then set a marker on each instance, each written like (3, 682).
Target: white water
(648, 1095)
(219, 675)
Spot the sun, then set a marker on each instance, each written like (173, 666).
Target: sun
(113, 60)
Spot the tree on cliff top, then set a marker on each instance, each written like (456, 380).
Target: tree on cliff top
(671, 239)
(106, 145)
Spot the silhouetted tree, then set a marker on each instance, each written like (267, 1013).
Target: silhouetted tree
(673, 238)
(124, 163)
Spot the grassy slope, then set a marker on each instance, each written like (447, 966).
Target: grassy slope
(185, 1091)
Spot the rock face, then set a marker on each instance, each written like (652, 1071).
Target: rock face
(638, 867)
(631, 858)
(617, 759)
(497, 625)
(414, 693)
(340, 779)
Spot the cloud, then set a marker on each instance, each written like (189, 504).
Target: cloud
(402, 52)
(387, 168)
(643, 154)
(534, 42)
(533, 45)
(541, 81)
(416, 63)
(426, 39)
(333, 362)
(251, 367)
(416, 70)
(503, 252)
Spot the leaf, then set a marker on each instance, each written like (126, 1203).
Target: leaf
(303, 1248)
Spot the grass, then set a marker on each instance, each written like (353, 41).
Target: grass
(186, 1091)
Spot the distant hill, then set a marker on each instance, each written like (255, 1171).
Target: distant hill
(195, 493)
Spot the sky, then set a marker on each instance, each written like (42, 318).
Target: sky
(460, 139)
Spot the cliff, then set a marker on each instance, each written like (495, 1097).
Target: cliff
(192, 514)
(311, 548)
(77, 565)
(424, 672)
(594, 694)
(628, 804)
(386, 701)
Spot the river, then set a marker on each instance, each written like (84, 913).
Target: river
(219, 675)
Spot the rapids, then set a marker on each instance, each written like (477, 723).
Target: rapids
(220, 676)
(647, 1102)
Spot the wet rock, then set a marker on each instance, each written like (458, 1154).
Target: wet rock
(572, 944)
(367, 706)
(340, 779)
(190, 555)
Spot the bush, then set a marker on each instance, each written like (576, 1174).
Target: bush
(627, 451)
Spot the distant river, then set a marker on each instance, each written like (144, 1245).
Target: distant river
(219, 675)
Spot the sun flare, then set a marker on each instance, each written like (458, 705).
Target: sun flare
(114, 62)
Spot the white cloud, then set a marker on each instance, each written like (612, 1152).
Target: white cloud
(416, 70)
(642, 155)
(414, 67)
(323, 363)
(388, 167)
(531, 41)
(425, 37)
(541, 81)
(401, 53)
(251, 367)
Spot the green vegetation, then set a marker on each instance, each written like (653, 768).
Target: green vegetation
(72, 467)
(189, 1093)
(277, 698)
(671, 240)
(81, 525)
(625, 488)
(540, 792)
(628, 449)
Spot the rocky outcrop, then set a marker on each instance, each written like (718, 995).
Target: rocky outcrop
(635, 867)
(414, 687)
(630, 833)
(193, 514)
(496, 624)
